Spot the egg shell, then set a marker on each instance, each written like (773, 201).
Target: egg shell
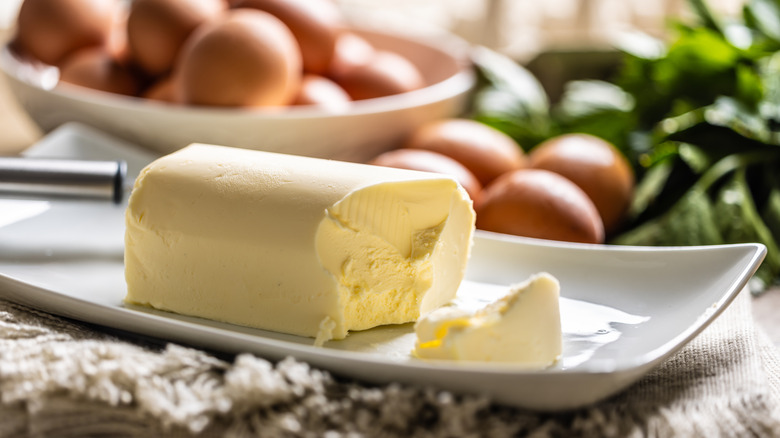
(116, 41)
(157, 29)
(163, 90)
(323, 93)
(427, 161)
(385, 74)
(350, 51)
(95, 68)
(246, 58)
(52, 30)
(541, 204)
(596, 166)
(315, 24)
(485, 151)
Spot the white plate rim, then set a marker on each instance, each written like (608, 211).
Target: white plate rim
(123, 318)
(659, 353)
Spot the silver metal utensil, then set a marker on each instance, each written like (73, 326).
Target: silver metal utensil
(44, 177)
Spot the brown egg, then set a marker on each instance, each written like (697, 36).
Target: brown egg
(541, 204)
(52, 30)
(164, 90)
(116, 42)
(157, 29)
(386, 74)
(351, 51)
(596, 166)
(246, 58)
(427, 161)
(323, 93)
(485, 151)
(95, 68)
(315, 24)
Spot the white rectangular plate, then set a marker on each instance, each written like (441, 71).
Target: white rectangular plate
(624, 309)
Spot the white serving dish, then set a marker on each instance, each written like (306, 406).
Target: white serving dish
(360, 133)
(624, 309)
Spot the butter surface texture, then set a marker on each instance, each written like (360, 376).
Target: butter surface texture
(292, 244)
(524, 328)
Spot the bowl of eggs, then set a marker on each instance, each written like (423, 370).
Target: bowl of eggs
(276, 75)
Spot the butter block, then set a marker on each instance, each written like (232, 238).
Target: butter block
(523, 327)
(292, 244)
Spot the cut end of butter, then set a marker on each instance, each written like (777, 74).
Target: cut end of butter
(293, 244)
(395, 250)
(523, 327)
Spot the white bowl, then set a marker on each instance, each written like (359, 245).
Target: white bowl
(368, 128)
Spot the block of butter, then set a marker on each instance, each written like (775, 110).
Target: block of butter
(293, 244)
(523, 327)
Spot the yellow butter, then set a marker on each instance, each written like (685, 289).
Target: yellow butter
(293, 244)
(524, 328)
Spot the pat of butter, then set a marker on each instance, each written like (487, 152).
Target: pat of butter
(523, 327)
(293, 244)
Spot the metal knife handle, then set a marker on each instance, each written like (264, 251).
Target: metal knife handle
(63, 177)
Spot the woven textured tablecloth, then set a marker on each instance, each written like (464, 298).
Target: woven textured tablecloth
(63, 378)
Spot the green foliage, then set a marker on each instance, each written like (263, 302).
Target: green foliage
(699, 119)
(511, 99)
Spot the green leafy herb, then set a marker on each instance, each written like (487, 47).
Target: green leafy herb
(698, 116)
(513, 100)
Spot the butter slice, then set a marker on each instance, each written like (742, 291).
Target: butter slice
(523, 327)
(292, 244)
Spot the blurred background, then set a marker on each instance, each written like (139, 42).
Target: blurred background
(524, 28)
(518, 28)
(558, 40)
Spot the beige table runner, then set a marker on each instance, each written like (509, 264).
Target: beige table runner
(62, 378)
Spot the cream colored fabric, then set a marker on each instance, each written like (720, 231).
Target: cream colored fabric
(62, 378)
